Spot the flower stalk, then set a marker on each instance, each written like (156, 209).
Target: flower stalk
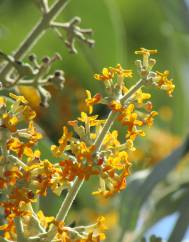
(71, 195)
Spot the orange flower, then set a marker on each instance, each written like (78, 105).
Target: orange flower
(149, 119)
(57, 150)
(82, 151)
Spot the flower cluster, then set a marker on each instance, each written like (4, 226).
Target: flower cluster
(93, 149)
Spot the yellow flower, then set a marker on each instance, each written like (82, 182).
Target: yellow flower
(130, 145)
(144, 51)
(131, 121)
(91, 101)
(132, 134)
(122, 72)
(107, 74)
(44, 221)
(115, 106)
(2, 102)
(57, 150)
(111, 140)
(90, 120)
(141, 96)
(34, 135)
(101, 223)
(126, 111)
(82, 151)
(10, 121)
(28, 113)
(18, 98)
(149, 119)
(164, 83)
(118, 160)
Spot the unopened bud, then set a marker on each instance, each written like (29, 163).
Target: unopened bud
(32, 57)
(152, 62)
(46, 60)
(138, 63)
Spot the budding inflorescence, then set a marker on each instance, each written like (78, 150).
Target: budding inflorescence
(95, 150)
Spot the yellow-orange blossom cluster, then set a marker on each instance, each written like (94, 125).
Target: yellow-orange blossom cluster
(24, 175)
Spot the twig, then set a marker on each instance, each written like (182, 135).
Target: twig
(35, 34)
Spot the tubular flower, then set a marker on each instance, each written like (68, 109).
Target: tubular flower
(82, 151)
(144, 51)
(131, 121)
(30, 136)
(45, 221)
(91, 101)
(58, 150)
(111, 140)
(90, 120)
(147, 63)
(118, 161)
(125, 112)
(115, 106)
(70, 170)
(114, 184)
(107, 74)
(10, 121)
(149, 119)
(18, 147)
(141, 96)
(122, 72)
(163, 83)
(131, 135)
(21, 106)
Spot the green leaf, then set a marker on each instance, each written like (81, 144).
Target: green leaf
(153, 238)
(169, 201)
(138, 191)
(181, 225)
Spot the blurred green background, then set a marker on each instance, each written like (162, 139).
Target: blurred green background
(120, 27)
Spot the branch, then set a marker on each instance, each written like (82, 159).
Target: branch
(37, 32)
(73, 31)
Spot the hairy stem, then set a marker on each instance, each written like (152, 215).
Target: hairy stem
(35, 34)
(66, 205)
(35, 220)
(19, 229)
(109, 122)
